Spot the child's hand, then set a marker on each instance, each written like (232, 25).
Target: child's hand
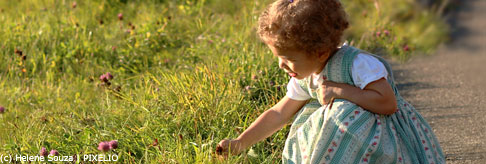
(226, 145)
(329, 90)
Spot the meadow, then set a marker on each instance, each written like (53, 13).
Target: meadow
(184, 74)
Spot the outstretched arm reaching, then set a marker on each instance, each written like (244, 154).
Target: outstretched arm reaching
(264, 126)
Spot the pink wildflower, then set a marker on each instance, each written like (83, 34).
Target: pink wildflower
(113, 144)
(156, 142)
(109, 75)
(254, 77)
(54, 152)
(248, 88)
(406, 48)
(103, 78)
(120, 16)
(271, 83)
(43, 152)
(104, 146)
(386, 32)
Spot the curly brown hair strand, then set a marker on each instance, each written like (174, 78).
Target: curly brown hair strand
(315, 26)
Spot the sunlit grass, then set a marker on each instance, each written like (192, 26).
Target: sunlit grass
(186, 73)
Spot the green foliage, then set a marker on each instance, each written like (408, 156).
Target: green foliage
(186, 73)
(388, 27)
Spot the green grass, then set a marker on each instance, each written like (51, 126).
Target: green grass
(182, 72)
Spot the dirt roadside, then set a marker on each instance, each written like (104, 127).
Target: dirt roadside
(449, 88)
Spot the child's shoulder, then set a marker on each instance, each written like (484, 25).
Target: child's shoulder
(362, 56)
(366, 57)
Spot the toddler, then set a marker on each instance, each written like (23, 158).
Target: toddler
(344, 103)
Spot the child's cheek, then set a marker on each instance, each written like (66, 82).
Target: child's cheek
(295, 68)
(291, 66)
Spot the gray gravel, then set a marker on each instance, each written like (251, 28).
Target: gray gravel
(449, 88)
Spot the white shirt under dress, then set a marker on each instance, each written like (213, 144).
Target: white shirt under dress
(365, 69)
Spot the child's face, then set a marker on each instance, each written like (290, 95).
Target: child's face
(298, 64)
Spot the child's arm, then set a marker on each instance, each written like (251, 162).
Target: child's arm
(377, 97)
(264, 126)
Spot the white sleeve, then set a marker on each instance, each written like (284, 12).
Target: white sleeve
(295, 92)
(367, 69)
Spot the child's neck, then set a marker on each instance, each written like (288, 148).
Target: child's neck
(327, 60)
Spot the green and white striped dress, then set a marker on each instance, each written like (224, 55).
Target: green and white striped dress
(347, 133)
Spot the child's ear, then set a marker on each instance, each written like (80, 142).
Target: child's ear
(323, 57)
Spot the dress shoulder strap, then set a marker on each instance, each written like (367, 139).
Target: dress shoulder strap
(340, 65)
(337, 69)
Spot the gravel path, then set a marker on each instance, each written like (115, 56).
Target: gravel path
(449, 87)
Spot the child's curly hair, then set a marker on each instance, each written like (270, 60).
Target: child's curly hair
(315, 26)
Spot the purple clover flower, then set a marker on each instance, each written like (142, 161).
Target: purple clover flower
(113, 144)
(271, 83)
(104, 146)
(109, 75)
(120, 16)
(247, 88)
(43, 152)
(386, 32)
(2, 109)
(103, 78)
(254, 77)
(54, 152)
(406, 48)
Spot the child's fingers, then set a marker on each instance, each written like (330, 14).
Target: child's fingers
(222, 147)
(219, 150)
